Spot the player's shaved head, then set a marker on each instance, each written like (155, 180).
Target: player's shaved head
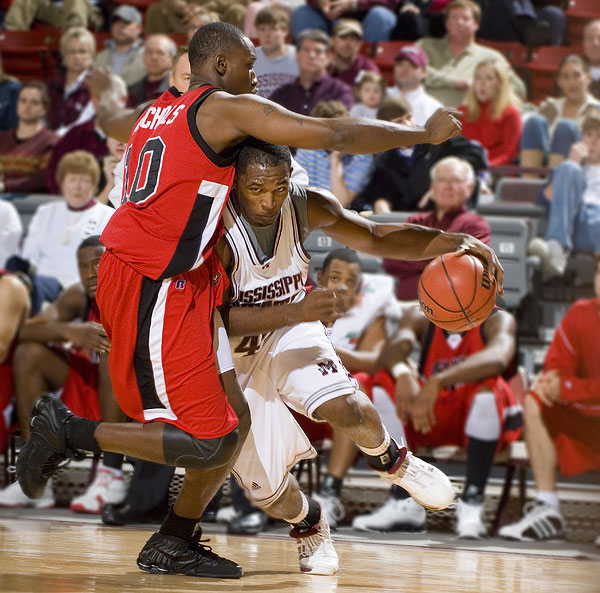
(212, 39)
(257, 152)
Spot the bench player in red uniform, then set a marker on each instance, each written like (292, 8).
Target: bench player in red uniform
(159, 282)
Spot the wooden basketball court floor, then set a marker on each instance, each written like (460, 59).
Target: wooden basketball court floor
(65, 555)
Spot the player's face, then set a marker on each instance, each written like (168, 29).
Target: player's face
(240, 77)
(341, 276)
(88, 260)
(260, 192)
(78, 189)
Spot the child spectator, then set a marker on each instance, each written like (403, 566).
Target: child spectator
(369, 90)
(491, 113)
(549, 133)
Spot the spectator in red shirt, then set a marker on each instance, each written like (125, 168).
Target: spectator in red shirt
(346, 60)
(491, 114)
(25, 150)
(452, 181)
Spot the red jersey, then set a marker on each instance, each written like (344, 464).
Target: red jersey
(175, 188)
(575, 352)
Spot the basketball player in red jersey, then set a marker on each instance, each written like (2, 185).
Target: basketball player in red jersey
(159, 282)
(457, 397)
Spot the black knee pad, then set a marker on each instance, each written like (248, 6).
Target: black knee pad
(183, 450)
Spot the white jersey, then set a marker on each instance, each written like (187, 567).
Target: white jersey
(375, 299)
(254, 281)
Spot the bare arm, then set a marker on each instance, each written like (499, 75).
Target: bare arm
(364, 358)
(15, 307)
(226, 119)
(399, 241)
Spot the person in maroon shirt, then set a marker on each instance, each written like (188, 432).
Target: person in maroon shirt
(313, 83)
(562, 417)
(25, 150)
(346, 61)
(452, 181)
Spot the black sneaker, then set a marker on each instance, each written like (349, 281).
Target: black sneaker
(167, 554)
(46, 449)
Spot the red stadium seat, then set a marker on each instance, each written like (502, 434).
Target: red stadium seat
(579, 13)
(30, 55)
(385, 57)
(513, 51)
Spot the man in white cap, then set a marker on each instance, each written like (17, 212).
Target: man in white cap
(124, 52)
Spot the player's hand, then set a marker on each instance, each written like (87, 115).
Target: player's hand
(488, 257)
(99, 80)
(442, 125)
(324, 305)
(547, 386)
(422, 410)
(89, 335)
(406, 390)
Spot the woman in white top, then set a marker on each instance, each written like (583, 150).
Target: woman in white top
(549, 133)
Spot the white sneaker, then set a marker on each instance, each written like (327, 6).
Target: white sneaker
(13, 496)
(107, 488)
(227, 514)
(552, 253)
(394, 515)
(315, 549)
(332, 506)
(539, 522)
(428, 485)
(469, 520)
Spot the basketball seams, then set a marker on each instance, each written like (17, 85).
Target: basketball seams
(464, 312)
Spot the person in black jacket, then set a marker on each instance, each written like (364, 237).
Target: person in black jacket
(400, 177)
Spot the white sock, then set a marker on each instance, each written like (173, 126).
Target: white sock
(378, 450)
(303, 512)
(548, 497)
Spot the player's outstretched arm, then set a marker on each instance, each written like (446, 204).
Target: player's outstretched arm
(228, 119)
(398, 241)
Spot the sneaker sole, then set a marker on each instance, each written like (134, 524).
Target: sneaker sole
(393, 529)
(324, 571)
(152, 568)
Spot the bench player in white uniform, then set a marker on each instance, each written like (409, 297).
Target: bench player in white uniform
(279, 361)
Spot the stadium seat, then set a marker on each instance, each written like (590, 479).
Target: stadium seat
(27, 204)
(30, 55)
(384, 55)
(579, 13)
(516, 53)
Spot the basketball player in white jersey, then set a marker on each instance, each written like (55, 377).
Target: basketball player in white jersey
(282, 354)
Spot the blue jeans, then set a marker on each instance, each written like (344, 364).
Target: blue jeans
(377, 24)
(572, 222)
(536, 135)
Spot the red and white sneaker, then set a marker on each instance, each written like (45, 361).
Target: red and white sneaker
(315, 549)
(107, 488)
(428, 485)
(13, 496)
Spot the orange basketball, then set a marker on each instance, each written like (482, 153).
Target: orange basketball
(456, 292)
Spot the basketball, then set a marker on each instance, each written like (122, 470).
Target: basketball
(457, 292)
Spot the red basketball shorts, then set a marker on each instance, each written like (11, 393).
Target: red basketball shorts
(451, 412)
(80, 391)
(162, 362)
(575, 430)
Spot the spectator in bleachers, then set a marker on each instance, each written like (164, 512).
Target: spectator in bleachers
(159, 51)
(15, 308)
(313, 83)
(419, 18)
(123, 52)
(531, 22)
(400, 177)
(11, 231)
(562, 422)
(200, 16)
(452, 59)
(369, 91)
(591, 51)
(491, 113)
(69, 97)
(452, 183)
(342, 174)
(458, 397)
(65, 349)
(84, 136)
(9, 89)
(346, 61)
(21, 14)
(58, 227)
(549, 133)
(167, 17)
(276, 63)
(25, 150)
(572, 199)
(116, 150)
(378, 17)
(410, 70)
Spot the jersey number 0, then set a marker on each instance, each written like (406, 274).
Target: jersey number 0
(147, 171)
